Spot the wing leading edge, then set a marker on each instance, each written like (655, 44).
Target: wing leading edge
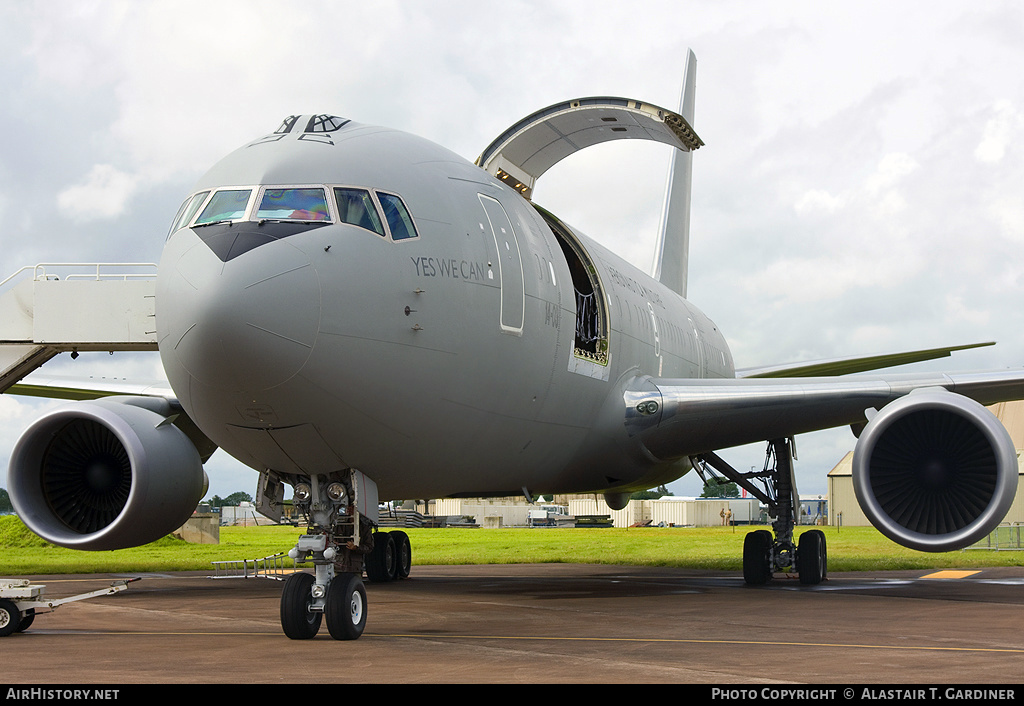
(61, 387)
(698, 416)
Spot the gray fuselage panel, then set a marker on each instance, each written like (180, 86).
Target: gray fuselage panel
(448, 363)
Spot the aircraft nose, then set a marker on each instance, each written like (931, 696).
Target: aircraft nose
(244, 325)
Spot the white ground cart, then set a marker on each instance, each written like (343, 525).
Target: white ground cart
(21, 601)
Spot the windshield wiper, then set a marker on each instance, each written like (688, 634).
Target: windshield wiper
(291, 220)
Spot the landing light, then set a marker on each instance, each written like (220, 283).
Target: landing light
(302, 492)
(336, 492)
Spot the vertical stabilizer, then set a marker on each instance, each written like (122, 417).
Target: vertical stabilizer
(672, 252)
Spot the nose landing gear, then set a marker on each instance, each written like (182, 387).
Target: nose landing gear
(339, 537)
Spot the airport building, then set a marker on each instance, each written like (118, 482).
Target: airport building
(585, 509)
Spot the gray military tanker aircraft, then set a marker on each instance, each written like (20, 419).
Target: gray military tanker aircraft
(364, 315)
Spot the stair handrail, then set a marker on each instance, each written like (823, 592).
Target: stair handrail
(39, 272)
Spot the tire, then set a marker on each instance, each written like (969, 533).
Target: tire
(403, 554)
(346, 607)
(10, 618)
(811, 558)
(26, 620)
(297, 621)
(757, 560)
(824, 554)
(381, 562)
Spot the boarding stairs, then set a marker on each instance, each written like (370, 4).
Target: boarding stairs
(51, 308)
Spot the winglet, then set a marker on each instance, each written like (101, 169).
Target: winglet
(672, 253)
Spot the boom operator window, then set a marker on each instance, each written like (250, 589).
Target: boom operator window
(293, 204)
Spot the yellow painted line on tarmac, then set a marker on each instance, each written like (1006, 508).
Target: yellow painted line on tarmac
(950, 574)
(72, 632)
(816, 645)
(539, 638)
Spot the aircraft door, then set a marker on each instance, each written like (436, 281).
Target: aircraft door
(510, 266)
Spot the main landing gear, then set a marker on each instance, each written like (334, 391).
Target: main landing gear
(766, 552)
(339, 541)
(391, 557)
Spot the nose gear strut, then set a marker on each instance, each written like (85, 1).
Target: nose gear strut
(340, 537)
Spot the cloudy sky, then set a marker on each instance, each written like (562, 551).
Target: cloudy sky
(860, 190)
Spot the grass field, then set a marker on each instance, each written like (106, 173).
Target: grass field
(849, 549)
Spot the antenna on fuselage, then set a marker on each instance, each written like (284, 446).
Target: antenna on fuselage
(672, 252)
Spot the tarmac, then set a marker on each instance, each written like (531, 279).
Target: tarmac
(540, 623)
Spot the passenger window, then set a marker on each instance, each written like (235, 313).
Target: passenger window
(293, 205)
(398, 217)
(188, 210)
(225, 205)
(356, 208)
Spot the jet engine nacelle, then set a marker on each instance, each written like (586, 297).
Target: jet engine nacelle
(935, 471)
(105, 474)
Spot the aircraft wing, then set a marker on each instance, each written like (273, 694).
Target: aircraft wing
(854, 364)
(78, 389)
(64, 387)
(691, 417)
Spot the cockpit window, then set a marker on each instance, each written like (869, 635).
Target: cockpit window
(297, 209)
(399, 220)
(355, 206)
(227, 205)
(305, 204)
(188, 210)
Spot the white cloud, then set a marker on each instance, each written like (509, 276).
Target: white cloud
(10, 408)
(818, 201)
(1007, 211)
(960, 311)
(102, 194)
(891, 170)
(1001, 130)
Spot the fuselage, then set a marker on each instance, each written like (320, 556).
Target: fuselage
(358, 297)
